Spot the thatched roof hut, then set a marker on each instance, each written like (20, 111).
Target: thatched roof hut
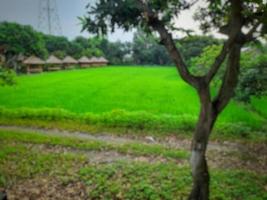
(102, 60)
(53, 60)
(98, 61)
(54, 63)
(33, 60)
(69, 60)
(33, 64)
(84, 62)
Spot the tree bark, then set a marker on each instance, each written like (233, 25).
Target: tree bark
(199, 166)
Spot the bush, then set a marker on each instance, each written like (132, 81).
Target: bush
(7, 76)
(253, 80)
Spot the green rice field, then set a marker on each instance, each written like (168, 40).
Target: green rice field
(153, 90)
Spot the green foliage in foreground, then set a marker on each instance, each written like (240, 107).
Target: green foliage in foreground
(19, 161)
(134, 97)
(122, 180)
(167, 181)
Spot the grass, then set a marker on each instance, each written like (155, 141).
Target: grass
(19, 160)
(127, 98)
(167, 181)
(121, 97)
(137, 149)
(158, 91)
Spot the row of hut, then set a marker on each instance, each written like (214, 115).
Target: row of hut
(34, 64)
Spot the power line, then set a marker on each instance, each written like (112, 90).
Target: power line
(48, 20)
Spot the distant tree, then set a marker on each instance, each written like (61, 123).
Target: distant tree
(241, 21)
(56, 43)
(59, 53)
(146, 50)
(84, 42)
(20, 40)
(116, 52)
(90, 46)
(193, 46)
(75, 49)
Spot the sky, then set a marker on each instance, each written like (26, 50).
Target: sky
(27, 12)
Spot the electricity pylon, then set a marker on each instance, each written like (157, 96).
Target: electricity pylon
(48, 21)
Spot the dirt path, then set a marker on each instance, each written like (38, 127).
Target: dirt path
(230, 155)
(170, 142)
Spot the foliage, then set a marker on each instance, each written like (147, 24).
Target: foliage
(253, 78)
(143, 50)
(146, 50)
(55, 43)
(21, 39)
(21, 160)
(7, 76)
(200, 64)
(165, 181)
(24, 40)
(217, 15)
(193, 46)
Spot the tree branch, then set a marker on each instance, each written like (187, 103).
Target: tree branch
(233, 64)
(167, 40)
(217, 63)
(249, 35)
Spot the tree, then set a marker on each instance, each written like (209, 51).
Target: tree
(75, 50)
(240, 20)
(20, 40)
(56, 44)
(116, 52)
(253, 76)
(146, 50)
(193, 46)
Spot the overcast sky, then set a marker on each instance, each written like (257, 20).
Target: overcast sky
(27, 12)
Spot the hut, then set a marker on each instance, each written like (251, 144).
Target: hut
(93, 61)
(84, 62)
(33, 64)
(98, 61)
(53, 63)
(69, 62)
(102, 61)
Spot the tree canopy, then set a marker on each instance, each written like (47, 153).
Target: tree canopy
(21, 39)
(241, 21)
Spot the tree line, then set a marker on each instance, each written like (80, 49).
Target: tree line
(143, 50)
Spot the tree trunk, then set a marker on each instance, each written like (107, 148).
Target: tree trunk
(200, 172)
